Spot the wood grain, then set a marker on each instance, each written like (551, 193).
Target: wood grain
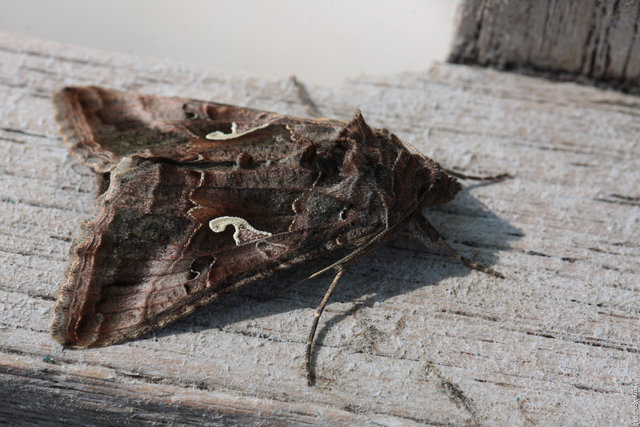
(585, 40)
(411, 337)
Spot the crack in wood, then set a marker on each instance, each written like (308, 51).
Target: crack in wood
(27, 133)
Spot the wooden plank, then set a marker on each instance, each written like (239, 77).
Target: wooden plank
(586, 40)
(411, 336)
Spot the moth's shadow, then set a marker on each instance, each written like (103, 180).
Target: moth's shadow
(399, 266)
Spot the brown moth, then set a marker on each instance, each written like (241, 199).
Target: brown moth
(203, 199)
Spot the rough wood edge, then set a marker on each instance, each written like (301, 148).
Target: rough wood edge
(588, 42)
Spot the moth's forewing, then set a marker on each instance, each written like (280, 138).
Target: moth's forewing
(102, 126)
(144, 260)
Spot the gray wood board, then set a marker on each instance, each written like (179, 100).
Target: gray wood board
(410, 336)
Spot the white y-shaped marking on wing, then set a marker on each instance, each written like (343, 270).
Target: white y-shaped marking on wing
(221, 136)
(219, 224)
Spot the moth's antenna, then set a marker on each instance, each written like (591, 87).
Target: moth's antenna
(351, 256)
(338, 265)
(316, 317)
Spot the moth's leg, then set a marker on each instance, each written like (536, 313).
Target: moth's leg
(434, 237)
(487, 178)
(316, 318)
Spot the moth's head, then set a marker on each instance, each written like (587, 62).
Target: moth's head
(435, 186)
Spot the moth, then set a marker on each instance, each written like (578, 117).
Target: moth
(202, 199)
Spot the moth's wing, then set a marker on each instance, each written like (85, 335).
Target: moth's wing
(102, 126)
(148, 256)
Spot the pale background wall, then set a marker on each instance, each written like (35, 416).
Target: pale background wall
(322, 42)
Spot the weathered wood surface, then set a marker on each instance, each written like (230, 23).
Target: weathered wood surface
(411, 336)
(588, 40)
